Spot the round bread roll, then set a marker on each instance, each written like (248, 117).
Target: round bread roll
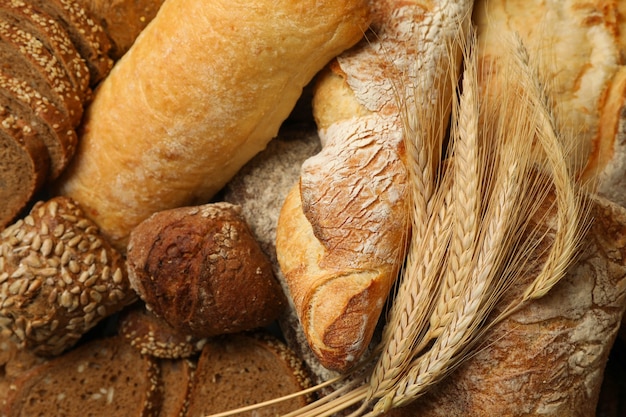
(202, 271)
(58, 277)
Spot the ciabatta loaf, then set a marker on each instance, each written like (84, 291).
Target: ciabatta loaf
(201, 91)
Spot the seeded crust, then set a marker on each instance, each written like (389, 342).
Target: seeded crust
(40, 68)
(152, 336)
(23, 165)
(122, 20)
(105, 377)
(55, 39)
(239, 370)
(88, 36)
(61, 138)
(58, 277)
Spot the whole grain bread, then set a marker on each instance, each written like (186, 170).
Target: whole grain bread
(23, 167)
(59, 138)
(176, 379)
(54, 38)
(241, 370)
(105, 377)
(25, 56)
(87, 35)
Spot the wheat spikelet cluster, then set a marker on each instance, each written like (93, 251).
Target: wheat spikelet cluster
(504, 164)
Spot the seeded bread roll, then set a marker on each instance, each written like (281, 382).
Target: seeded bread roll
(201, 270)
(153, 336)
(58, 277)
(195, 98)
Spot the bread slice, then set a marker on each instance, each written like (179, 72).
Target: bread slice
(176, 379)
(241, 370)
(61, 138)
(54, 38)
(105, 377)
(26, 57)
(88, 36)
(23, 164)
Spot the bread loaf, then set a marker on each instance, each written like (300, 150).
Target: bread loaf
(547, 359)
(343, 230)
(579, 47)
(191, 102)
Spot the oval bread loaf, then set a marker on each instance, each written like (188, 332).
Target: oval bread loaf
(202, 90)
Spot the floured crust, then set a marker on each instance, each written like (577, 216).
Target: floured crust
(578, 47)
(337, 306)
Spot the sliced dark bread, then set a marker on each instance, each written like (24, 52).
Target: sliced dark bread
(60, 138)
(23, 164)
(88, 36)
(240, 370)
(53, 37)
(176, 379)
(105, 377)
(25, 57)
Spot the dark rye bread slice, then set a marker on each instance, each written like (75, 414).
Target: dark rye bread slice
(60, 138)
(240, 370)
(25, 57)
(176, 379)
(90, 40)
(23, 164)
(104, 377)
(54, 38)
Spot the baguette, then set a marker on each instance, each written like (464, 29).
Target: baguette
(191, 102)
(343, 230)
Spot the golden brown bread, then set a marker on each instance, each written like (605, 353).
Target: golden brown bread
(191, 102)
(578, 46)
(342, 234)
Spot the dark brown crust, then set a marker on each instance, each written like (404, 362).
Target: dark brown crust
(54, 37)
(122, 20)
(60, 138)
(201, 270)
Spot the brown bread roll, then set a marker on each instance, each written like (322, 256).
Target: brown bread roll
(201, 270)
(191, 102)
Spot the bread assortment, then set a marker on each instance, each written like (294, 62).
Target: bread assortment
(224, 211)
